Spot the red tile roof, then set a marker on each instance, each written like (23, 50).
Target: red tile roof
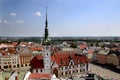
(39, 76)
(64, 58)
(12, 50)
(36, 48)
(80, 59)
(3, 52)
(39, 57)
(14, 43)
(83, 46)
(37, 62)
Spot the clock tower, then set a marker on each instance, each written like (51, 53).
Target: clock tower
(47, 49)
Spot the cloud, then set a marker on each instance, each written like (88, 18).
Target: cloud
(37, 14)
(5, 22)
(13, 14)
(19, 21)
(0, 21)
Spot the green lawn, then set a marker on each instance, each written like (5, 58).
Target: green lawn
(21, 75)
(4, 74)
(8, 74)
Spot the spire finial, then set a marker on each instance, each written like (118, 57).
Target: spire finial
(46, 8)
(46, 16)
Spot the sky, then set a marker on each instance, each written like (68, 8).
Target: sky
(65, 18)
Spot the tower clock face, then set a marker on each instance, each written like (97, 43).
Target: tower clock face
(47, 48)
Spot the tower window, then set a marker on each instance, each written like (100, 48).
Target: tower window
(47, 47)
(47, 54)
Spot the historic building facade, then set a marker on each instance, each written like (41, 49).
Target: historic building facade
(25, 59)
(102, 56)
(9, 62)
(63, 63)
(113, 58)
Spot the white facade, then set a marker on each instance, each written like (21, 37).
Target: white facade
(73, 68)
(38, 70)
(15, 60)
(47, 59)
(67, 49)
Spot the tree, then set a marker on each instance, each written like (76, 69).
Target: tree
(73, 45)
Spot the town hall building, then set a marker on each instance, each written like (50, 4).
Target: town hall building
(60, 63)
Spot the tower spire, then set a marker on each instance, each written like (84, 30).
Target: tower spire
(46, 22)
(46, 29)
(47, 49)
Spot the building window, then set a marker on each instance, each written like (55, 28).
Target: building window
(62, 68)
(22, 65)
(69, 72)
(69, 67)
(62, 73)
(80, 70)
(41, 70)
(36, 71)
(66, 67)
(83, 70)
(47, 54)
(73, 71)
(66, 73)
(47, 48)
(14, 66)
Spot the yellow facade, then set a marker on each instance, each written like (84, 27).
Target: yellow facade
(112, 59)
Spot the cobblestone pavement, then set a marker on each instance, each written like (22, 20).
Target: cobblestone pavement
(106, 73)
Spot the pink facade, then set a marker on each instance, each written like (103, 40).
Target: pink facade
(101, 58)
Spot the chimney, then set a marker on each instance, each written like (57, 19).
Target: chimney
(16, 77)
